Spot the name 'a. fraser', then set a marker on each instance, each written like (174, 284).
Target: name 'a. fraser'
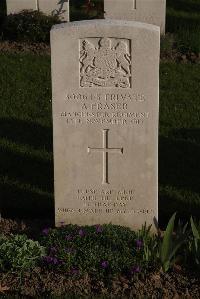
(105, 106)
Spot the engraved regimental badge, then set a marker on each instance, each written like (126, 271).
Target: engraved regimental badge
(105, 62)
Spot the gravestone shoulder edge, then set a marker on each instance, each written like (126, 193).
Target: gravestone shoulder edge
(108, 22)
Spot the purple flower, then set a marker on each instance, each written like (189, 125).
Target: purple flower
(139, 244)
(69, 237)
(135, 269)
(47, 259)
(50, 260)
(104, 264)
(70, 250)
(53, 249)
(74, 271)
(55, 261)
(62, 223)
(45, 231)
(99, 228)
(81, 232)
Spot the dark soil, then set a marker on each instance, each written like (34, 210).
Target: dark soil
(40, 282)
(176, 56)
(17, 47)
(32, 228)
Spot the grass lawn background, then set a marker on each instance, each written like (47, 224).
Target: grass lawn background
(183, 20)
(26, 155)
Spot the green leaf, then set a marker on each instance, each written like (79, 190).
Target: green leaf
(166, 246)
(166, 266)
(176, 247)
(194, 229)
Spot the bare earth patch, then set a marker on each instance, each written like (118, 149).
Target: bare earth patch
(16, 47)
(155, 285)
(32, 228)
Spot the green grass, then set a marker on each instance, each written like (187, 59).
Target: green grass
(183, 20)
(26, 171)
(26, 159)
(179, 164)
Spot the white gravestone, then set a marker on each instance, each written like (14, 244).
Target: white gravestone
(55, 7)
(48, 7)
(105, 77)
(147, 11)
(15, 6)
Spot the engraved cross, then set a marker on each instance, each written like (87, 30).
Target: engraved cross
(105, 150)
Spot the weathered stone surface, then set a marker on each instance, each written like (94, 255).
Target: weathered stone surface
(147, 11)
(48, 7)
(105, 77)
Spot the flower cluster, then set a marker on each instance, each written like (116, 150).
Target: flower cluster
(134, 269)
(53, 250)
(63, 253)
(50, 260)
(82, 232)
(69, 237)
(139, 244)
(104, 264)
(74, 271)
(45, 231)
(99, 228)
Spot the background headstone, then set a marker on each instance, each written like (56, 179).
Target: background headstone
(147, 11)
(48, 7)
(105, 77)
(15, 6)
(55, 7)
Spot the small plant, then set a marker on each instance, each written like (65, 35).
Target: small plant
(149, 244)
(194, 243)
(19, 253)
(171, 243)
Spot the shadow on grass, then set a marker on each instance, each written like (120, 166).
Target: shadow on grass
(179, 163)
(2, 12)
(179, 179)
(27, 132)
(26, 169)
(183, 19)
(184, 5)
(182, 22)
(24, 203)
(3, 7)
